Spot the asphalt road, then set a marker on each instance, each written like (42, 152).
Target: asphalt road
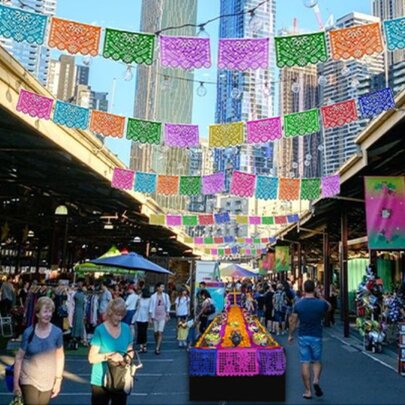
(349, 377)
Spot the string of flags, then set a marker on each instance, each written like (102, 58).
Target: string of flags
(254, 132)
(242, 185)
(194, 52)
(234, 251)
(219, 240)
(221, 218)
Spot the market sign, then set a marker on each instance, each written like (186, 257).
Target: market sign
(385, 204)
(283, 258)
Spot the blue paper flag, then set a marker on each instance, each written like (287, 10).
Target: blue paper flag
(229, 239)
(234, 250)
(22, 25)
(70, 115)
(395, 33)
(222, 218)
(266, 188)
(293, 218)
(375, 103)
(145, 182)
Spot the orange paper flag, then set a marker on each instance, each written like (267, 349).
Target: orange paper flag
(356, 42)
(107, 124)
(74, 37)
(168, 185)
(289, 189)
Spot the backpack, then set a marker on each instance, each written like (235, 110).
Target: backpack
(210, 309)
(279, 301)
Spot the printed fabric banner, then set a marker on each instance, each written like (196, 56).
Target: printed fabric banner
(283, 260)
(385, 204)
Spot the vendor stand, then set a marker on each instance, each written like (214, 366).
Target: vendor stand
(236, 359)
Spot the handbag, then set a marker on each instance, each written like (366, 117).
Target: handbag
(17, 400)
(119, 377)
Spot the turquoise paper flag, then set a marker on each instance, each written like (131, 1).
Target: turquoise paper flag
(70, 115)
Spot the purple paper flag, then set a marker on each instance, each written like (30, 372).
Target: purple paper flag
(249, 240)
(265, 130)
(173, 220)
(185, 52)
(198, 241)
(123, 179)
(34, 105)
(213, 183)
(243, 54)
(181, 135)
(255, 220)
(330, 185)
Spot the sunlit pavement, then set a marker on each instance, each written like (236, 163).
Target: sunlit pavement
(350, 376)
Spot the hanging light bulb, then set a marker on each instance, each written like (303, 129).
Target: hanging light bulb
(266, 90)
(294, 165)
(354, 83)
(310, 3)
(295, 88)
(201, 90)
(322, 80)
(292, 174)
(255, 24)
(320, 148)
(128, 75)
(86, 60)
(308, 157)
(202, 33)
(236, 93)
(345, 70)
(307, 163)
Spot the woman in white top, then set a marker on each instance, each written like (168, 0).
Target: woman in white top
(141, 318)
(182, 304)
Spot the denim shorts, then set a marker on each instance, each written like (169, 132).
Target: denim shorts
(310, 349)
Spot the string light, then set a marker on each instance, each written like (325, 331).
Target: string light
(322, 80)
(201, 90)
(86, 60)
(310, 3)
(203, 33)
(295, 88)
(236, 93)
(128, 75)
(345, 71)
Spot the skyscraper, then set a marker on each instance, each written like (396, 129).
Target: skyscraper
(62, 77)
(243, 96)
(345, 81)
(34, 58)
(161, 97)
(299, 156)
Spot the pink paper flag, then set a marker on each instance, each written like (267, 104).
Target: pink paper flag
(213, 183)
(198, 241)
(255, 220)
(181, 135)
(243, 54)
(249, 240)
(265, 130)
(173, 220)
(214, 252)
(123, 179)
(330, 185)
(339, 114)
(34, 105)
(243, 184)
(185, 52)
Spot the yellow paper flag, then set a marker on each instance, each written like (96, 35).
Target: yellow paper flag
(242, 219)
(223, 135)
(157, 219)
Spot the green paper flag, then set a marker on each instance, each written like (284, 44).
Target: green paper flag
(130, 47)
(144, 131)
(300, 50)
(302, 123)
(256, 240)
(190, 220)
(310, 189)
(267, 220)
(190, 185)
(221, 252)
(208, 241)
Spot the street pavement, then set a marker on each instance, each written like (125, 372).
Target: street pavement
(350, 376)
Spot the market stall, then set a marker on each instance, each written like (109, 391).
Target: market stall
(236, 359)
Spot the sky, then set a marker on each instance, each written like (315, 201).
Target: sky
(126, 14)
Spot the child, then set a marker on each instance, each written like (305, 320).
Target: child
(182, 332)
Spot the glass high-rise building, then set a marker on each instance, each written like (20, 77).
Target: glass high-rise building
(34, 58)
(346, 80)
(244, 96)
(160, 97)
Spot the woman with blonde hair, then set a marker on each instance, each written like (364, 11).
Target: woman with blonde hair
(40, 360)
(111, 340)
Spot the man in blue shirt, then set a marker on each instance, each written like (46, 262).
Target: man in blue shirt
(310, 312)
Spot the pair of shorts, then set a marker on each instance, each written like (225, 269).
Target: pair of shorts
(310, 349)
(159, 326)
(279, 316)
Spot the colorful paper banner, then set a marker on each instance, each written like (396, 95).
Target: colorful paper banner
(301, 50)
(144, 131)
(206, 219)
(222, 218)
(74, 37)
(22, 26)
(385, 202)
(264, 130)
(129, 47)
(356, 42)
(156, 219)
(185, 52)
(243, 184)
(107, 124)
(375, 103)
(34, 105)
(310, 189)
(302, 123)
(181, 135)
(395, 33)
(243, 54)
(167, 185)
(190, 185)
(266, 188)
(339, 114)
(173, 220)
(330, 185)
(224, 135)
(70, 115)
(123, 179)
(145, 182)
(190, 220)
(289, 189)
(213, 183)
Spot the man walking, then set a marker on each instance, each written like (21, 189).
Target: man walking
(159, 311)
(309, 311)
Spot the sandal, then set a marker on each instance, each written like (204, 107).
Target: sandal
(157, 352)
(318, 390)
(306, 397)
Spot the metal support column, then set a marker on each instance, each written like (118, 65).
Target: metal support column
(326, 271)
(344, 272)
